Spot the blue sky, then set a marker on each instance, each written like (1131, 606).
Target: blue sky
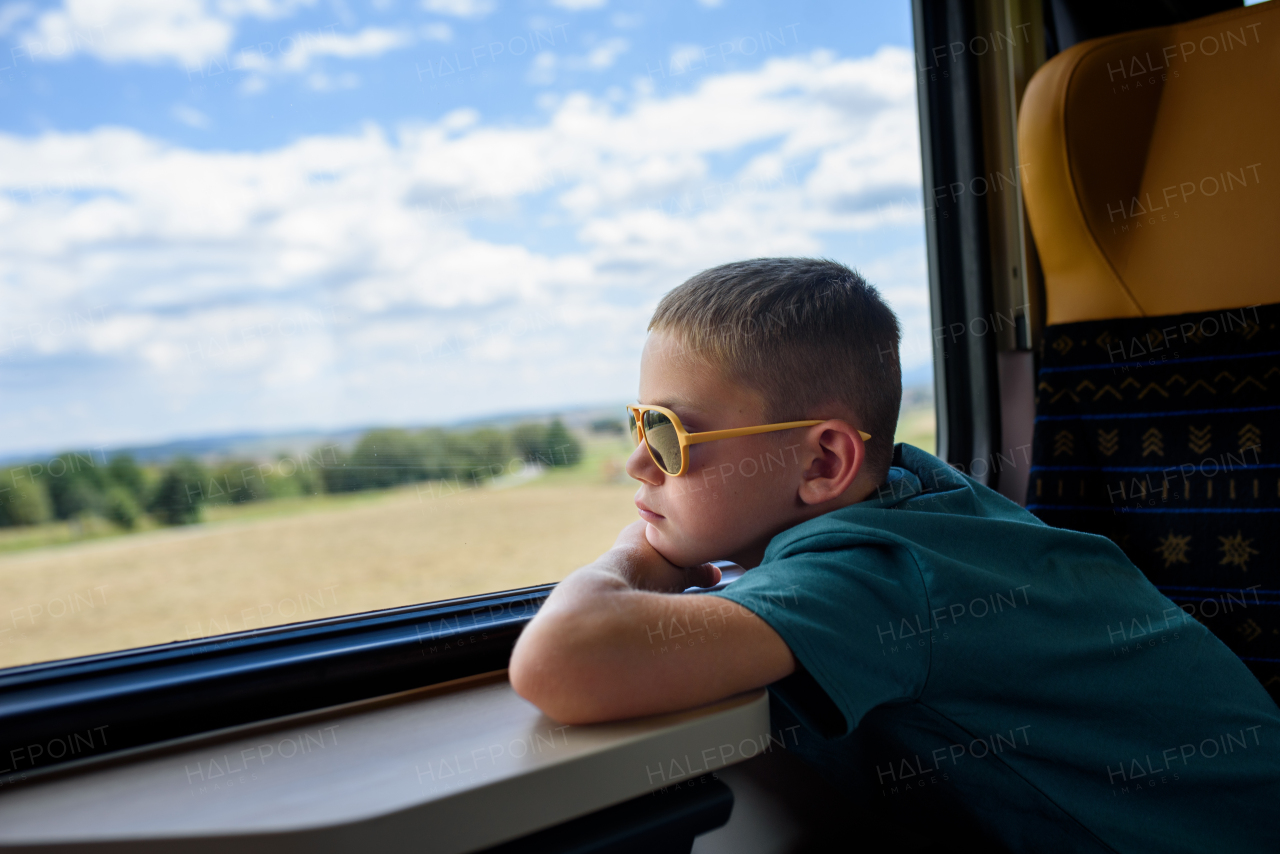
(279, 214)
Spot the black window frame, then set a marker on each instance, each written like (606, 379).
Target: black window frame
(59, 714)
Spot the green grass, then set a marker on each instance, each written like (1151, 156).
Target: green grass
(602, 456)
(293, 505)
(70, 532)
(64, 532)
(918, 426)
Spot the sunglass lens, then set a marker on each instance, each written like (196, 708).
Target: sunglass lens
(663, 441)
(631, 425)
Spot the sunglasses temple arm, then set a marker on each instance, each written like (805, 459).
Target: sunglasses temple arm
(714, 435)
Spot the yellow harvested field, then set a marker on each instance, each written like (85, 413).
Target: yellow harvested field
(334, 557)
(289, 560)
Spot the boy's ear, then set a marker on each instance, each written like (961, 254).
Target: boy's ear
(834, 455)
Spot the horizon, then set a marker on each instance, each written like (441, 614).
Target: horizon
(499, 418)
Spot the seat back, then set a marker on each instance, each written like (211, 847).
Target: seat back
(1149, 158)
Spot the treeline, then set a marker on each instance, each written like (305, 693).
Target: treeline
(75, 485)
(385, 458)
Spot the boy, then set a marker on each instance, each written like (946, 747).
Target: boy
(917, 624)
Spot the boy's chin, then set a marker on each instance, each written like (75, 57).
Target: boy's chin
(675, 551)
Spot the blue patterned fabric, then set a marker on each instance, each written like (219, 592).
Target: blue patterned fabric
(1163, 434)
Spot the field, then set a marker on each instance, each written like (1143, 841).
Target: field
(70, 590)
(284, 561)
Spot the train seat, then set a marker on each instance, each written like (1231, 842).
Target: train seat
(1150, 158)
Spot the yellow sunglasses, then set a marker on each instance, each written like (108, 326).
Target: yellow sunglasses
(668, 442)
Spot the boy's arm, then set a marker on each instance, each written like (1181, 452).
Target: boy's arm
(613, 642)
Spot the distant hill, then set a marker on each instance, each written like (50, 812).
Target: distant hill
(207, 448)
(248, 445)
(259, 446)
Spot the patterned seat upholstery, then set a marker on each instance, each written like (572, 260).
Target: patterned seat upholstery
(1163, 434)
(1147, 158)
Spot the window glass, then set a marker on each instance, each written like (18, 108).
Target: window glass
(312, 308)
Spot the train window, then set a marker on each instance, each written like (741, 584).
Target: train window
(317, 308)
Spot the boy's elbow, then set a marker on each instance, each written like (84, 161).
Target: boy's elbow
(527, 672)
(559, 705)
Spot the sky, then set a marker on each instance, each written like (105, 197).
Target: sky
(224, 216)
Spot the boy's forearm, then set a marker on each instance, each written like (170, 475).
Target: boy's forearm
(591, 653)
(590, 635)
(585, 606)
(552, 659)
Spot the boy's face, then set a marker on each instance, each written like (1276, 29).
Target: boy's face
(737, 493)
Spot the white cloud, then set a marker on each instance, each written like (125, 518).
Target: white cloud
(253, 84)
(12, 13)
(368, 43)
(460, 8)
(579, 5)
(460, 119)
(683, 56)
(130, 30)
(543, 70)
(267, 9)
(189, 116)
(437, 32)
(302, 52)
(602, 56)
(187, 32)
(318, 81)
(185, 250)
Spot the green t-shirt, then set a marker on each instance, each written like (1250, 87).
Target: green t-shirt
(1027, 678)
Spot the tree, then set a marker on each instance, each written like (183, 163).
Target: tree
(290, 478)
(480, 454)
(124, 470)
(548, 445)
(76, 484)
(385, 458)
(25, 502)
(341, 475)
(563, 447)
(78, 496)
(437, 454)
(235, 482)
(181, 493)
(608, 425)
(530, 441)
(120, 506)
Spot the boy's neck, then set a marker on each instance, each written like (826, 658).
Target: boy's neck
(753, 556)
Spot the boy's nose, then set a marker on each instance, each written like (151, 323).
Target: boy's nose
(642, 467)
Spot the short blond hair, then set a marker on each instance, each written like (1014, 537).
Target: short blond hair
(808, 334)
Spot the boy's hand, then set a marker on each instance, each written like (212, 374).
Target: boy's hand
(644, 568)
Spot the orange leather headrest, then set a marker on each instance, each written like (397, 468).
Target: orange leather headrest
(1151, 165)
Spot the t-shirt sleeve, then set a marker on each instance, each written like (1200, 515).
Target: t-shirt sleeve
(850, 618)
